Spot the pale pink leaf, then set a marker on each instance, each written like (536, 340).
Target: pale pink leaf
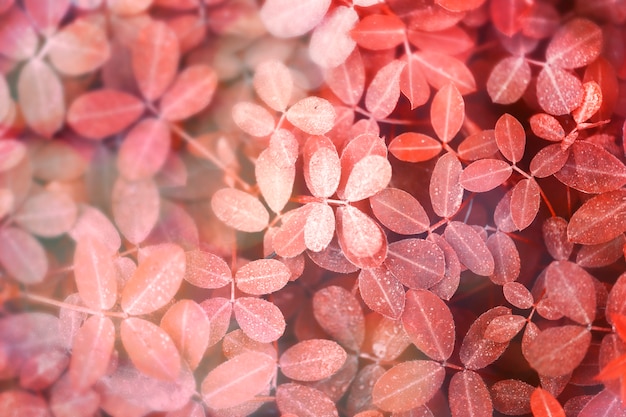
(414, 147)
(518, 295)
(79, 48)
(362, 240)
(558, 91)
(511, 396)
(191, 92)
(592, 100)
(429, 324)
(22, 256)
(155, 56)
(262, 276)
(468, 395)
(446, 193)
(322, 167)
(417, 263)
(399, 211)
(525, 202)
(447, 112)
(150, 349)
(313, 115)
(384, 91)
(297, 400)
(358, 148)
(510, 137)
(40, 371)
(91, 352)
(504, 328)
(283, 148)
(440, 70)
(190, 330)
(603, 254)
(275, 182)
(485, 175)
(548, 161)
(408, 385)
(219, 311)
(41, 97)
(347, 80)
(239, 210)
(339, 314)
(413, 83)
(382, 292)
(273, 84)
(18, 38)
(95, 273)
(604, 404)
(135, 208)
(379, 31)
(312, 360)
(236, 342)
(206, 270)
(144, 150)
(101, 113)
(331, 43)
(477, 351)
(155, 281)
(508, 80)
(286, 19)
(547, 127)
(571, 290)
(319, 227)
(600, 219)
(289, 241)
(47, 214)
(506, 258)
(577, 43)
(128, 7)
(478, 145)
(367, 177)
(92, 223)
(559, 350)
(259, 319)
(253, 119)
(470, 248)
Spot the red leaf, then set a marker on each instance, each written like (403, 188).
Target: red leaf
(101, 113)
(460, 5)
(47, 214)
(331, 43)
(508, 80)
(548, 161)
(429, 324)
(408, 385)
(312, 360)
(22, 256)
(144, 150)
(399, 211)
(239, 210)
(91, 352)
(558, 351)
(135, 208)
(41, 97)
(319, 228)
(504, 328)
(322, 168)
(253, 119)
(440, 70)
(362, 240)
(18, 39)
(383, 92)
(273, 84)
(558, 91)
(485, 175)
(477, 351)
(446, 193)
(592, 101)
(478, 145)
(469, 396)
(470, 248)
(547, 127)
(275, 182)
(297, 400)
(615, 303)
(191, 92)
(155, 56)
(155, 281)
(576, 44)
(340, 315)
(188, 326)
(571, 290)
(95, 274)
(525, 202)
(510, 137)
(260, 320)
(511, 396)
(382, 292)
(604, 404)
(508, 15)
(15, 402)
(347, 80)
(506, 258)
(79, 48)
(150, 349)
(313, 115)
(600, 219)
(262, 276)
(518, 295)
(413, 83)
(238, 380)
(447, 112)
(40, 371)
(414, 147)
(447, 287)
(367, 177)
(285, 19)
(451, 41)
(417, 263)
(543, 404)
(379, 32)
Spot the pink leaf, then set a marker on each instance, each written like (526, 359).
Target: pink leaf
(543, 404)
(547, 127)
(548, 161)
(322, 168)
(525, 202)
(135, 208)
(144, 150)
(508, 80)
(558, 351)
(155, 56)
(22, 256)
(518, 295)
(504, 328)
(218, 310)
(447, 112)
(15, 402)
(603, 254)
(95, 273)
(379, 32)
(477, 351)
(191, 92)
(262, 276)
(440, 70)
(150, 349)
(47, 214)
(6, 102)
(190, 330)
(319, 227)
(206, 270)
(79, 48)
(446, 193)
(506, 258)
(510, 137)
(260, 320)
(92, 223)
(296, 400)
(571, 290)
(452, 41)
(361, 239)
(101, 113)
(331, 43)
(275, 182)
(470, 248)
(413, 83)
(485, 175)
(367, 177)
(340, 315)
(285, 19)
(18, 38)
(417, 263)
(507, 15)
(600, 219)
(408, 385)
(447, 287)
(511, 396)
(399, 211)
(347, 80)
(604, 404)
(312, 360)
(429, 324)
(91, 352)
(289, 239)
(155, 281)
(41, 97)
(383, 92)
(592, 101)
(253, 119)
(478, 145)
(576, 44)
(558, 91)
(283, 148)
(313, 115)
(128, 7)
(239, 210)
(273, 84)
(382, 292)
(469, 396)
(40, 371)
(414, 147)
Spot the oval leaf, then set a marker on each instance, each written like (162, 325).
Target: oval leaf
(274, 84)
(262, 276)
(525, 202)
(285, 19)
(508, 80)
(260, 320)
(312, 360)
(91, 352)
(22, 256)
(239, 210)
(469, 396)
(382, 292)
(191, 92)
(576, 44)
(600, 219)
(399, 211)
(379, 32)
(206, 270)
(135, 208)
(414, 147)
(485, 175)
(367, 177)
(558, 91)
(47, 214)
(144, 150)
(95, 274)
(275, 182)
(446, 193)
(543, 404)
(417, 263)
(361, 238)
(296, 400)
(470, 248)
(340, 315)
(558, 351)
(510, 137)
(190, 330)
(447, 112)
(322, 167)
(253, 119)
(571, 290)
(313, 115)
(384, 91)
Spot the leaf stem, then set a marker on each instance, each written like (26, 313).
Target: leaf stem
(44, 300)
